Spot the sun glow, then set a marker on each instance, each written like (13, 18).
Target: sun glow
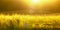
(39, 1)
(35, 1)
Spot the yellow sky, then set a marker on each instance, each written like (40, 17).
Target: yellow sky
(34, 2)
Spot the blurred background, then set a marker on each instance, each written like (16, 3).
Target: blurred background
(29, 14)
(30, 7)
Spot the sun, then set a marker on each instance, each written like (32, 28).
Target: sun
(35, 1)
(31, 2)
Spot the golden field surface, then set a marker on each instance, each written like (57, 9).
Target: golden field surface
(29, 21)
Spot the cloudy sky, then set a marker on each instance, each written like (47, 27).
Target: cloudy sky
(25, 7)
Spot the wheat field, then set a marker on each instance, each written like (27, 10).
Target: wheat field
(29, 22)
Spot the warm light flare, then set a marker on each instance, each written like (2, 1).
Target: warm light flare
(35, 1)
(41, 2)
